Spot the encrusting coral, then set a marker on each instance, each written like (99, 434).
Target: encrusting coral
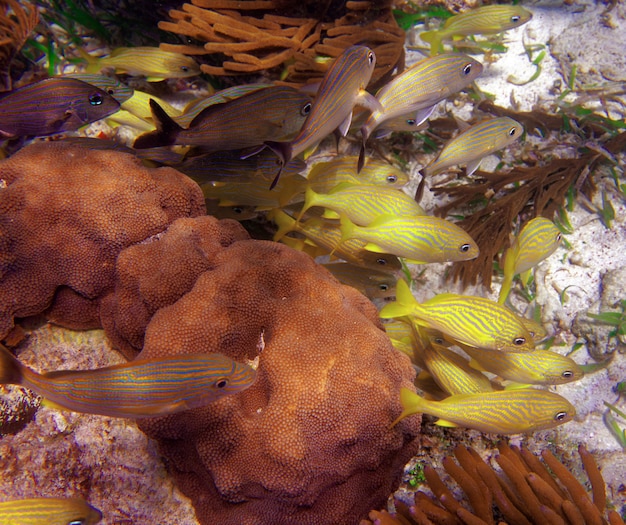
(527, 492)
(271, 35)
(309, 442)
(66, 212)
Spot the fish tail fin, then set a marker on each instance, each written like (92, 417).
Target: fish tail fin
(11, 370)
(434, 39)
(508, 266)
(284, 222)
(361, 161)
(347, 227)
(403, 305)
(166, 129)
(411, 404)
(283, 152)
(309, 201)
(92, 62)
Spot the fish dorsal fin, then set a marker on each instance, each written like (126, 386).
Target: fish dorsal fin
(341, 187)
(381, 220)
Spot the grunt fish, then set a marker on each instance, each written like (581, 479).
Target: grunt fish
(140, 388)
(150, 62)
(372, 283)
(119, 91)
(474, 321)
(419, 89)
(420, 239)
(362, 204)
(474, 144)
(48, 511)
(538, 240)
(484, 20)
(274, 113)
(499, 412)
(53, 105)
(342, 88)
(539, 367)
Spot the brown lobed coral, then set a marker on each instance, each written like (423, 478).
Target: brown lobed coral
(66, 212)
(309, 442)
(244, 37)
(527, 492)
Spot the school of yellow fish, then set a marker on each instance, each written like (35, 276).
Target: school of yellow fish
(351, 208)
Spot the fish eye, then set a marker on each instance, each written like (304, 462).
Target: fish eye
(515, 19)
(512, 132)
(370, 57)
(560, 416)
(391, 179)
(383, 287)
(559, 237)
(467, 69)
(95, 99)
(238, 210)
(111, 91)
(567, 374)
(465, 248)
(221, 383)
(519, 341)
(184, 69)
(411, 121)
(382, 261)
(306, 109)
(77, 522)
(438, 340)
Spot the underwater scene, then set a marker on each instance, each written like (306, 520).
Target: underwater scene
(266, 262)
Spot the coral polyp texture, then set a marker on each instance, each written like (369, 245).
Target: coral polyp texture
(66, 212)
(309, 442)
(301, 37)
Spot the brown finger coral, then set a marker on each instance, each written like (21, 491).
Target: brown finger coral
(66, 212)
(255, 36)
(309, 442)
(526, 492)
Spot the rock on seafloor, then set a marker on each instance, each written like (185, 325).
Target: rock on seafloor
(109, 462)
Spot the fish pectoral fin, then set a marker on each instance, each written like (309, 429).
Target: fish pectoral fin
(155, 79)
(445, 423)
(330, 214)
(372, 247)
(414, 261)
(51, 404)
(345, 125)
(369, 101)
(421, 115)
(472, 166)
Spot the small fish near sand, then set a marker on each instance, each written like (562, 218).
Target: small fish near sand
(138, 389)
(342, 88)
(484, 20)
(48, 511)
(471, 146)
(150, 62)
(499, 412)
(53, 105)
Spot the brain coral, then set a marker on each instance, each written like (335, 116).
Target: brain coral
(65, 214)
(309, 442)
(157, 273)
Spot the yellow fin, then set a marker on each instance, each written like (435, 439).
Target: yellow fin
(444, 423)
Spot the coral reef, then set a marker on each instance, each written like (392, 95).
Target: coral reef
(271, 35)
(16, 23)
(66, 212)
(532, 493)
(310, 441)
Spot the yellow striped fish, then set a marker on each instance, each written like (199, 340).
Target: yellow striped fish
(48, 511)
(474, 144)
(141, 388)
(539, 367)
(328, 236)
(342, 88)
(372, 283)
(362, 204)
(538, 240)
(420, 239)
(150, 62)
(453, 372)
(324, 176)
(499, 412)
(474, 321)
(419, 89)
(273, 113)
(485, 20)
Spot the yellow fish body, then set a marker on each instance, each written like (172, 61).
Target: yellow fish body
(498, 412)
(140, 388)
(474, 321)
(48, 511)
(420, 239)
(324, 176)
(485, 20)
(289, 190)
(537, 240)
(362, 204)
(475, 143)
(151, 62)
(420, 88)
(539, 367)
